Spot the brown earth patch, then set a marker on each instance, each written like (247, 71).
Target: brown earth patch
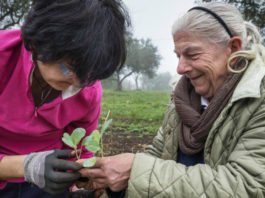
(121, 142)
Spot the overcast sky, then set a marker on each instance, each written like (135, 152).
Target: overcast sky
(153, 19)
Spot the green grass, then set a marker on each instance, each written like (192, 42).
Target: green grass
(135, 111)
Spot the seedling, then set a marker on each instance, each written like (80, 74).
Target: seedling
(92, 142)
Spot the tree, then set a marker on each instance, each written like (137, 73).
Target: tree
(252, 10)
(160, 82)
(142, 59)
(12, 12)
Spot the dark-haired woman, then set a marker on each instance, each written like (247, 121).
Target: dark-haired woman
(49, 72)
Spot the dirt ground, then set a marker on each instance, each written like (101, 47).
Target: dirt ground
(121, 142)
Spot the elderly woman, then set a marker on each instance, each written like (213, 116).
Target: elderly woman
(212, 140)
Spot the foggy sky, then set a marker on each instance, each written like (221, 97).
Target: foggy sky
(153, 19)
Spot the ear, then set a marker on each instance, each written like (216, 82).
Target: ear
(235, 44)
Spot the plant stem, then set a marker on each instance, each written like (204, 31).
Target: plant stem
(107, 117)
(101, 146)
(101, 138)
(76, 153)
(81, 149)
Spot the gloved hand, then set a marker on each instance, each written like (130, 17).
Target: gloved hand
(50, 172)
(112, 194)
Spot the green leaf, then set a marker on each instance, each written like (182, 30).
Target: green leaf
(68, 140)
(93, 147)
(106, 126)
(92, 141)
(96, 136)
(90, 162)
(77, 135)
(93, 137)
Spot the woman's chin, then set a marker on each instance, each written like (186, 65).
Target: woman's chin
(60, 87)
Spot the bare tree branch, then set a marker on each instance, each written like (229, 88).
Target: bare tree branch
(12, 12)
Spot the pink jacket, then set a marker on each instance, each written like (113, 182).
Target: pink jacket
(25, 129)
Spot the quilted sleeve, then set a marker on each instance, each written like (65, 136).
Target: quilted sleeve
(243, 174)
(157, 146)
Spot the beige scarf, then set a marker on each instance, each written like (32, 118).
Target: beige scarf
(195, 126)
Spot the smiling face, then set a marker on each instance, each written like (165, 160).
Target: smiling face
(202, 62)
(55, 75)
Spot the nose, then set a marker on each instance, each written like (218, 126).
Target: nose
(183, 66)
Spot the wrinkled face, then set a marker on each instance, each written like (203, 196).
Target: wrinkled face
(202, 62)
(58, 75)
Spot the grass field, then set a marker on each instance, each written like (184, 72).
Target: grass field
(135, 111)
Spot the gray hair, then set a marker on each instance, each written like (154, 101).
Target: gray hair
(204, 25)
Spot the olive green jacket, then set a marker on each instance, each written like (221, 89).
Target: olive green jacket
(234, 152)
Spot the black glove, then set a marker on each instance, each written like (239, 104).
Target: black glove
(81, 194)
(112, 194)
(50, 172)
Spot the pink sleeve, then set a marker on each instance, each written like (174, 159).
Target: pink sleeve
(10, 46)
(2, 182)
(1, 156)
(91, 119)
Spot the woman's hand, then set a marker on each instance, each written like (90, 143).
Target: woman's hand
(113, 172)
(50, 171)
